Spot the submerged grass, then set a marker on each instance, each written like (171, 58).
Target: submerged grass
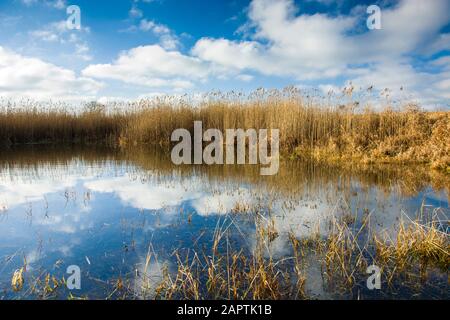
(340, 248)
(226, 273)
(344, 256)
(328, 131)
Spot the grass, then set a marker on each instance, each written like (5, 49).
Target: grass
(55, 124)
(226, 273)
(426, 243)
(344, 255)
(325, 131)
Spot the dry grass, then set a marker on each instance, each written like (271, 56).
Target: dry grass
(226, 273)
(345, 254)
(416, 242)
(323, 131)
(27, 125)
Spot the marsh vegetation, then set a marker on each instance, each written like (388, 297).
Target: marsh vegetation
(358, 185)
(329, 129)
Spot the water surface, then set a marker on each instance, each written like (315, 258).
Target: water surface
(104, 210)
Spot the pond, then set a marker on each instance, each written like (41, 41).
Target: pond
(138, 226)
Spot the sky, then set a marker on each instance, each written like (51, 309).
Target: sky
(133, 49)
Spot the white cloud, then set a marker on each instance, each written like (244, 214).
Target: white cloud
(135, 12)
(327, 50)
(45, 35)
(144, 196)
(238, 55)
(168, 40)
(148, 25)
(398, 77)
(28, 2)
(222, 203)
(244, 77)
(157, 196)
(307, 46)
(57, 4)
(58, 32)
(322, 47)
(152, 66)
(30, 77)
(19, 192)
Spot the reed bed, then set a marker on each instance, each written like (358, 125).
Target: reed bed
(32, 124)
(310, 128)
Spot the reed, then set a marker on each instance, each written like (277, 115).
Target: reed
(226, 272)
(308, 129)
(28, 125)
(416, 241)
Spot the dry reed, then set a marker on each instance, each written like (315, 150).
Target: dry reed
(330, 132)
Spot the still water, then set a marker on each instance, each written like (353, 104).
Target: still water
(107, 210)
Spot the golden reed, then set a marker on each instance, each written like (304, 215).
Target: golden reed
(327, 131)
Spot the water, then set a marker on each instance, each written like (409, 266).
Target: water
(107, 210)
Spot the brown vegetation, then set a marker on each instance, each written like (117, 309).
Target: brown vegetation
(325, 132)
(344, 256)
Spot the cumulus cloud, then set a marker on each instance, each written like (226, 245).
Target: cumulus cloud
(152, 66)
(168, 40)
(30, 77)
(305, 43)
(326, 50)
(321, 47)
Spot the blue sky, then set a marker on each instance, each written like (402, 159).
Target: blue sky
(129, 49)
